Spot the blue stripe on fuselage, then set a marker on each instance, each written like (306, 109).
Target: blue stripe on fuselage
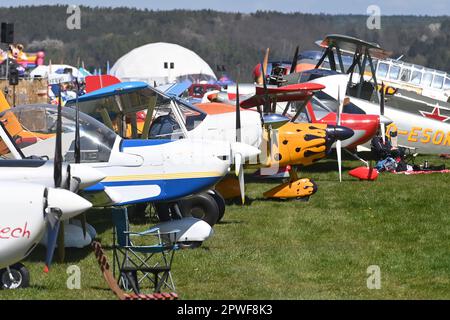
(134, 143)
(171, 189)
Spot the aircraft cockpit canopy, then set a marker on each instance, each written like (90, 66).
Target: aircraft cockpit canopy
(33, 131)
(140, 111)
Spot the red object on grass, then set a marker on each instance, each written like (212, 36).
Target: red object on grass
(364, 173)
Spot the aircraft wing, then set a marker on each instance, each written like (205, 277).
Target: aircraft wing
(349, 45)
(101, 196)
(176, 89)
(292, 92)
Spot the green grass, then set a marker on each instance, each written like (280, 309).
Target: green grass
(299, 250)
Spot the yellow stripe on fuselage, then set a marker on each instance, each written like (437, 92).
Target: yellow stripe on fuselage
(164, 176)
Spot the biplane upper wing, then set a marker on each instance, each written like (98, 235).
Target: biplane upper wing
(350, 45)
(293, 92)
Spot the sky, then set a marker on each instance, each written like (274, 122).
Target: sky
(388, 7)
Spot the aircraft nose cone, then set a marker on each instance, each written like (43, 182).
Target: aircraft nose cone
(70, 204)
(88, 176)
(339, 133)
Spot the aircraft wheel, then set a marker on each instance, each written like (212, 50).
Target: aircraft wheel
(202, 206)
(220, 203)
(20, 275)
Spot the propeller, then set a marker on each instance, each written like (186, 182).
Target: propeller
(339, 142)
(55, 227)
(77, 147)
(292, 70)
(382, 125)
(294, 61)
(55, 234)
(261, 78)
(238, 159)
(266, 107)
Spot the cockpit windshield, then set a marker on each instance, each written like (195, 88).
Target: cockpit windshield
(33, 131)
(143, 113)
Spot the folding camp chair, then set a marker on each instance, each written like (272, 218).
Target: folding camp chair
(136, 263)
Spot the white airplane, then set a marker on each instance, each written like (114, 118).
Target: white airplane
(27, 210)
(148, 113)
(420, 134)
(136, 171)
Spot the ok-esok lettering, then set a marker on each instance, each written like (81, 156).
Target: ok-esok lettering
(9, 232)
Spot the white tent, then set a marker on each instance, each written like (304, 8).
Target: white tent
(56, 70)
(162, 63)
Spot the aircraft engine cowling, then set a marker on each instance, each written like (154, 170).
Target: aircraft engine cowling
(300, 144)
(22, 221)
(26, 210)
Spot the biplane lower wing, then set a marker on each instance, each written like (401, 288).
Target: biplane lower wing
(293, 92)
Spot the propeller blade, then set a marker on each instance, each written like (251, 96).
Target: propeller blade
(77, 150)
(266, 108)
(52, 235)
(242, 183)
(339, 110)
(294, 61)
(238, 163)
(382, 99)
(382, 127)
(77, 155)
(383, 132)
(83, 221)
(61, 205)
(265, 62)
(339, 158)
(239, 168)
(339, 142)
(57, 173)
(238, 115)
(61, 244)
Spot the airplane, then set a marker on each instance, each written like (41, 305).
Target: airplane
(36, 196)
(314, 110)
(408, 87)
(35, 169)
(309, 108)
(416, 133)
(166, 116)
(136, 170)
(28, 208)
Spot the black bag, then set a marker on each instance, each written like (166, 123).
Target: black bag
(379, 149)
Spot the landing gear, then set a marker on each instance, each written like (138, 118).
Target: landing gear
(208, 206)
(202, 206)
(15, 276)
(294, 188)
(220, 202)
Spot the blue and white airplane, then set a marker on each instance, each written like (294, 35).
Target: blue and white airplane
(135, 170)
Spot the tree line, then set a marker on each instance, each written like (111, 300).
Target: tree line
(235, 40)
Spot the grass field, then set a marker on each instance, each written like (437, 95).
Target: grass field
(299, 250)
